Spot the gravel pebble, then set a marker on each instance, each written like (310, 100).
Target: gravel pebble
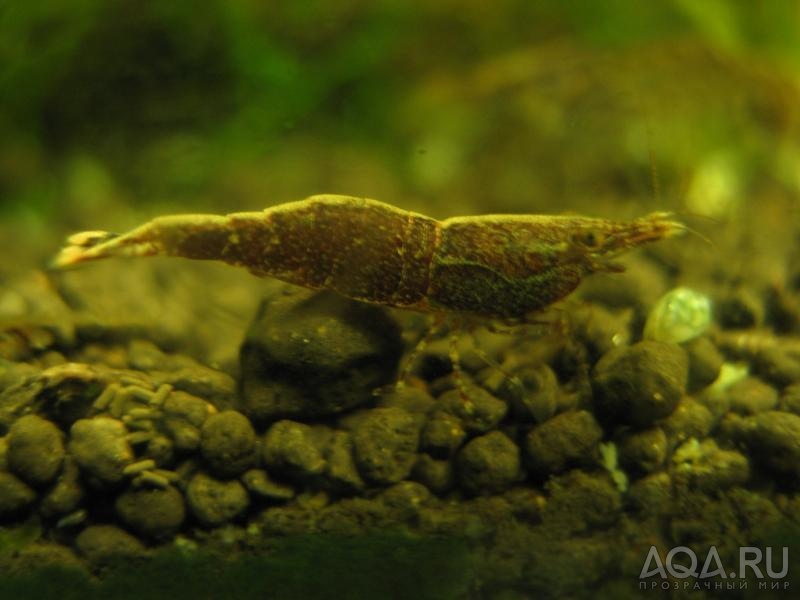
(105, 544)
(315, 354)
(777, 366)
(704, 466)
(259, 483)
(640, 384)
(705, 361)
(190, 408)
(15, 495)
(642, 451)
(651, 494)
(228, 443)
(185, 436)
(689, 419)
(66, 494)
(479, 412)
(214, 502)
(150, 512)
(385, 443)
(581, 502)
(741, 309)
(436, 475)
(340, 465)
(774, 437)
(790, 399)
(35, 450)
(442, 434)
(751, 396)
(488, 464)
(289, 448)
(568, 439)
(534, 394)
(100, 447)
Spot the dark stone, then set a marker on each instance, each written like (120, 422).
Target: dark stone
(66, 494)
(639, 384)
(15, 496)
(740, 310)
(568, 439)
(101, 449)
(259, 483)
(488, 464)
(442, 434)
(532, 394)
(705, 361)
(777, 366)
(581, 502)
(340, 467)
(35, 450)
(385, 443)
(214, 502)
(436, 475)
(751, 395)
(774, 438)
(228, 443)
(106, 544)
(289, 448)
(315, 355)
(152, 513)
(475, 407)
(642, 451)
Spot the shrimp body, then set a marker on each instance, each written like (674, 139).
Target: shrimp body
(496, 266)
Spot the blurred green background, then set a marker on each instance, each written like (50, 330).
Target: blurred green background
(112, 112)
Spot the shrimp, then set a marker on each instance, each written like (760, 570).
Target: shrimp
(502, 267)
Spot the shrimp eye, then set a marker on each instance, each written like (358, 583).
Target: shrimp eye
(589, 238)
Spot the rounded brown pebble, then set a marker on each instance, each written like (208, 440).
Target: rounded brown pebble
(385, 443)
(442, 434)
(478, 412)
(705, 361)
(100, 447)
(152, 513)
(15, 495)
(437, 475)
(533, 393)
(774, 438)
(751, 396)
(190, 408)
(689, 419)
(259, 483)
(214, 502)
(568, 439)
(640, 384)
(105, 544)
(288, 447)
(777, 366)
(340, 466)
(652, 493)
(66, 494)
(643, 451)
(228, 443)
(739, 310)
(790, 399)
(488, 464)
(35, 450)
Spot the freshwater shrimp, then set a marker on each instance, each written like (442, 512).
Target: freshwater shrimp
(501, 267)
(491, 267)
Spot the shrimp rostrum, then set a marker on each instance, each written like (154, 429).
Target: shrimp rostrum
(495, 266)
